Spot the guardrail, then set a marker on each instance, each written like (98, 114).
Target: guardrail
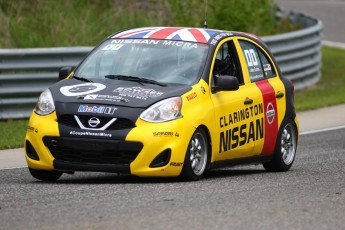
(25, 73)
(298, 53)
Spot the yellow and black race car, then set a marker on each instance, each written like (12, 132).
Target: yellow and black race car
(165, 101)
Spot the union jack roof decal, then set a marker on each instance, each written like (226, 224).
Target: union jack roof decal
(173, 33)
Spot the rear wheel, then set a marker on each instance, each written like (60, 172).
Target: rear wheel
(45, 175)
(285, 150)
(197, 156)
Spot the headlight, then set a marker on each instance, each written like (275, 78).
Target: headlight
(166, 110)
(45, 104)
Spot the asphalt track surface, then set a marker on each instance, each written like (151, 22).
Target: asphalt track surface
(309, 196)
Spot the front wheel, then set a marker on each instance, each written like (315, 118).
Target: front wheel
(285, 150)
(45, 175)
(197, 156)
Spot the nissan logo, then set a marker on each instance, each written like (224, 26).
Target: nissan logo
(270, 114)
(93, 122)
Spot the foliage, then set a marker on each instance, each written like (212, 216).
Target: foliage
(51, 23)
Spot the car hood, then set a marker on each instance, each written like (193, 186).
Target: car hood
(114, 92)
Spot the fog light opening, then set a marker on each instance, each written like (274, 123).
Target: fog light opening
(30, 151)
(54, 142)
(162, 159)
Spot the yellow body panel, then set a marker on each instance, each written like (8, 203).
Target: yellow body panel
(174, 135)
(37, 127)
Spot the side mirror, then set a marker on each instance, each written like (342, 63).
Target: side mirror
(64, 72)
(226, 83)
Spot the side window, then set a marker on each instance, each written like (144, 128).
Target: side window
(258, 64)
(267, 66)
(227, 62)
(253, 61)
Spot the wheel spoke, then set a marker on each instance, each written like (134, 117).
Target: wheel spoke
(285, 155)
(193, 164)
(288, 137)
(287, 144)
(198, 153)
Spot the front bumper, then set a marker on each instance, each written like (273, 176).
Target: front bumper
(135, 155)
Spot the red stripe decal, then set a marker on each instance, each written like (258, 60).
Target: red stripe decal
(164, 33)
(271, 116)
(199, 37)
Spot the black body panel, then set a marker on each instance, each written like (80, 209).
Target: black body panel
(86, 154)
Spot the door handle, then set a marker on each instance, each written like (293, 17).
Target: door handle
(279, 95)
(248, 101)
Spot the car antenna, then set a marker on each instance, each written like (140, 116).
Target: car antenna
(205, 23)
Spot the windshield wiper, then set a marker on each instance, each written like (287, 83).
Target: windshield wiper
(81, 78)
(136, 79)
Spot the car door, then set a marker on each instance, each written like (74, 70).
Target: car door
(238, 114)
(263, 75)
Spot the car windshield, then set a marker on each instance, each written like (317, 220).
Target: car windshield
(164, 61)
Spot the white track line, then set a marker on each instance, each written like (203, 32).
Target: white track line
(19, 167)
(322, 130)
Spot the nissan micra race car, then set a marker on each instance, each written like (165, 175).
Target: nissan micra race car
(165, 101)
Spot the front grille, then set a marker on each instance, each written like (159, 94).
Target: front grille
(93, 151)
(120, 123)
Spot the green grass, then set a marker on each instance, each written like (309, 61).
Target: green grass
(329, 91)
(12, 133)
(331, 88)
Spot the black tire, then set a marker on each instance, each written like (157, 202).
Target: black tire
(285, 149)
(197, 156)
(45, 175)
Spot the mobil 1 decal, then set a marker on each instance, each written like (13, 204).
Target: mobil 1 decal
(241, 127)
(271, 116)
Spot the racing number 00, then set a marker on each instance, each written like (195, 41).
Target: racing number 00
(251, 57)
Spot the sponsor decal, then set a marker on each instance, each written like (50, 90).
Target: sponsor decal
(202, 89)
(241, 115)
(220, 36)
(111, 98)
(239, 135)
(88, 133)
(137, 92)
(91, 97)
(96, 109)
(254, 69)
(180, 43)
(178, 164)
(119, 43)
(32, 129)
(267, 67)
(191, 96)
(270, 113)
(165, 134)
(81, 89)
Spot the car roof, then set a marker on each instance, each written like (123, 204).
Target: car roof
(201, 35)
(188, 34)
